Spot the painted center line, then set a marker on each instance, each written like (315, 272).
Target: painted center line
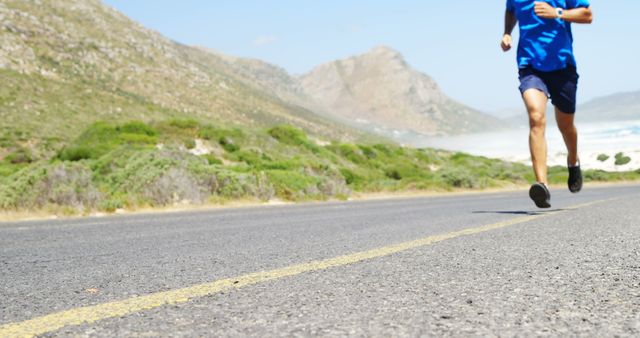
(90, 314)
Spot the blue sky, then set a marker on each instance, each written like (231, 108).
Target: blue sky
(455, 42)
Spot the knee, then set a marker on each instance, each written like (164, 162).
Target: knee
(537, 120)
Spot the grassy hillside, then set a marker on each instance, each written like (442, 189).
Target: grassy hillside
(136, 164)
(68, 63)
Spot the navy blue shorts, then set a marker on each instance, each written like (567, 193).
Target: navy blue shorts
(560, 85)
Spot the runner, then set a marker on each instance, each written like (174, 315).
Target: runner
(547, 69)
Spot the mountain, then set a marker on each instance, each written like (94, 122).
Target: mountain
(67, 63)
(620, 106)
(616, 107)
(380, 90)
(265, 77)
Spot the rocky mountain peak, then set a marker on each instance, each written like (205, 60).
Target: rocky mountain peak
(382, 91)
(385, 52)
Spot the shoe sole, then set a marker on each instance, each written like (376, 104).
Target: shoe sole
(539, 196)
(575, 190)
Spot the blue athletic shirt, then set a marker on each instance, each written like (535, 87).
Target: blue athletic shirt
(545, 44)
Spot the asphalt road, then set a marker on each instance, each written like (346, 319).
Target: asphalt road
(573, 270)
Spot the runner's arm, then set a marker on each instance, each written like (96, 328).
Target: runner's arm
(577, 15)
(510, 21)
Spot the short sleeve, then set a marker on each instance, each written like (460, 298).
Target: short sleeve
(511, 8)
(577, 3)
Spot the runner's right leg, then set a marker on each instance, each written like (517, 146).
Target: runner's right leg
(569, 134)
(536, 103)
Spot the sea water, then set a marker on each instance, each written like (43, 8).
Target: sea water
(595, 139)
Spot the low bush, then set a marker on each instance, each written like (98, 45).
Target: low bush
(595, 175)
(184, 123)
(228, 144)
(77, 153)
(293, 136)
(20, 156)
(57, 184)
(621, 159)
(190, 144)
(109, 167)
(136, 127)
(289, 135)
(101, 138)
(458, 177)
(211, 159)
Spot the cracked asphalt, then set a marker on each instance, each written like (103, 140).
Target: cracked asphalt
(573, 272)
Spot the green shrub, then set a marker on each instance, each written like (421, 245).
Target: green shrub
(349, 176)
(352, 153)
(8, 168)
(357, 180)
(99, 135)
(209, 132)
(190, 143)
(289, 135)
(462, 158)
(292, 185)
(6, 143)
(368, 152)
(621, 159)
(184, 123)
(19, 157)
(138, 139)
(111, 205)
(78, 153)
(281, 165)
(63, 184)
(458, 178)
(595, 175)
(603, 157)
(250, 157)
(393, 174)
(228, 144)
(382, 148)
(293, 136)
(410, 170)
(211, 159)
(101, 138)
(137, 127)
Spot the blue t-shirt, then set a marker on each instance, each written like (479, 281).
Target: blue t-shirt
(545, 44)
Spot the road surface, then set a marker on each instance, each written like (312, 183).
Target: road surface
(463, 265)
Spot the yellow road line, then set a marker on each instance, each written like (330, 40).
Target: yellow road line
(90, 314)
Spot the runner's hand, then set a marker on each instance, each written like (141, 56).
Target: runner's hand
(506, 42)
(545, 11)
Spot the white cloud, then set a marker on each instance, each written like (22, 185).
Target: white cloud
(265, 40)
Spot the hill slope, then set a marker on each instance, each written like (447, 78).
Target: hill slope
(380, 89)
(68, 63)
(620, 106)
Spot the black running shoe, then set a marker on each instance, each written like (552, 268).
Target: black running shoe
(575, 179)
(540, 195)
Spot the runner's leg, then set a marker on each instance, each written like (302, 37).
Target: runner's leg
(569, 134)
(536, 103)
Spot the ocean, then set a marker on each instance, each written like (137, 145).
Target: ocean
(607, 138)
